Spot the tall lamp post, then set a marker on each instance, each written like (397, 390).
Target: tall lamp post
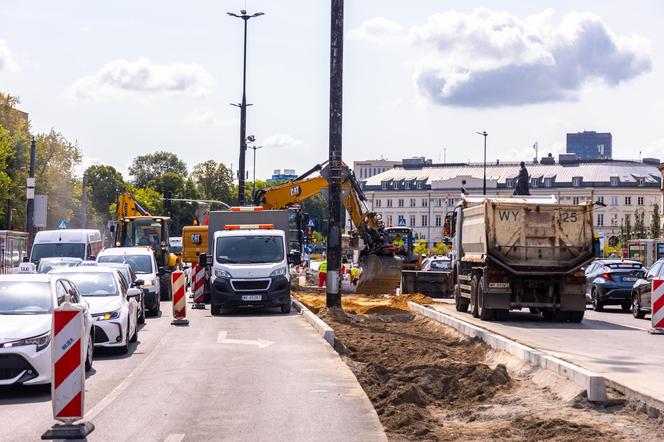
(243, 106)
(255, 148)
(484, 134)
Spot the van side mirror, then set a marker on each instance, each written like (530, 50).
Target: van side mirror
(294, 257)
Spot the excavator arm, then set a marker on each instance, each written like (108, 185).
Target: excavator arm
(128, 206)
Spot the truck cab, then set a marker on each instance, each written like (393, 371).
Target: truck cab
(250, 268)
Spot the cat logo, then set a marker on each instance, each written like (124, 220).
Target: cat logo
(295, 191)
(196, 238)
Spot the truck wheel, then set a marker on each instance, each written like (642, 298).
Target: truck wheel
(548, 314)
(562, 316)
(502, 314)
(215, 309)
(485, 314)
(460, 303)
(577, 316)
(473, 298)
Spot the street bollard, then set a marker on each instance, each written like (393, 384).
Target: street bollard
(198, 286)
(179, 299)
(68, 353)
(657, 303)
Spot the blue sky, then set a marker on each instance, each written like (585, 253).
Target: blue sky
(125, 78)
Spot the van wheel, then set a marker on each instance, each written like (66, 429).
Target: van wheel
(485, 314)
(215, 309)
(286, 308)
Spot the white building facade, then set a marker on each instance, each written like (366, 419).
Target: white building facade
(367, 169)
(420, 197)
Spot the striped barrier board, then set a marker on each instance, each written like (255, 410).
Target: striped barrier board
(68, 372)
(657, 300)
(198, 285)
(179, 299)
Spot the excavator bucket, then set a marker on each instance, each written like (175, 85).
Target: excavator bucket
(380, 275)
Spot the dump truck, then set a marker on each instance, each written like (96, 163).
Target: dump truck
(520, 252)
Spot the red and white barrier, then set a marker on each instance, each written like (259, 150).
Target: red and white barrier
(657, 300)
(179, 299)
(198, 285)
(68, 352)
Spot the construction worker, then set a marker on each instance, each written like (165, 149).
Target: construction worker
(397, 241)
(322, 274)
(354, 275)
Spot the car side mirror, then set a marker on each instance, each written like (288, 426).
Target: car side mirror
(138, 283)
(133, 293)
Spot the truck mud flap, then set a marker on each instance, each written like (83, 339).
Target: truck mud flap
(380, 275)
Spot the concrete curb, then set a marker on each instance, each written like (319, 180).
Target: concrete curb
(593, 383)
(318, 324)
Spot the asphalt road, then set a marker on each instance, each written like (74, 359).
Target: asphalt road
(256, 375)
(611, 343)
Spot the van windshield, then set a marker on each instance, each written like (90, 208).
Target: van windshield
(249, 249)
(57, 250)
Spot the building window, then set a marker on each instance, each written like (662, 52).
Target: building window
(412, 221)
(614, 180)
(425, 202)
(576, 181)
(402, 220)
(400, 203)
(600, 199)
(389, 203)
(378, 203)
(639, 201)
(419, 185)
(451, 201)
(575, 200)
(600, 219)
(439, 220)
(438, 202)
(406, 185)
(614, 200)
(628, 200)
(389, 219)
(509, 182)
(383, 185)
(412, 202)
(548, 182)
(425, 220)
(641, 181)
(535, 182)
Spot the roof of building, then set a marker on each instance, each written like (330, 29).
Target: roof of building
(592, 171)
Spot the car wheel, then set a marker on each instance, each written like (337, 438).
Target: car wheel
(626, 306)
(636, 307)
(286, 308)
(125, 348)
(598, 306)
(90, 352)
(134, 338)
(141, 316)
(215, 309)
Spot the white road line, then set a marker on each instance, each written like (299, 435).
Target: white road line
(122, 386)
(174, 438)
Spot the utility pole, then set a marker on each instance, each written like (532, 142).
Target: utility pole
(484, 134)
(255, 148)
(243, 108)
(84, 203)
(30, 194)
(333, 282)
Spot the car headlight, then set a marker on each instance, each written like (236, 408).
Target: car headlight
(219, 273)
(107, 316)
(280, 271)
(40, 341)
(148, 283)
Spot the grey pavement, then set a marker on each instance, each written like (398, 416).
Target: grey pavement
(242, 376)
(611, 343)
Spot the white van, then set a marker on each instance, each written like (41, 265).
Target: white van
(74, 243)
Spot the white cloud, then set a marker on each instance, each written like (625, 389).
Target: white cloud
(377, 30)
(208, 118)
(282, 141)
(120, 78)
(490, 58)
(653, 150)
(7, 60)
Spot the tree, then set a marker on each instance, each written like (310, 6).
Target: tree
(625, 229)
(146, 168)
(639, 224)
(104, 183)
(655, 222)
(214, 181)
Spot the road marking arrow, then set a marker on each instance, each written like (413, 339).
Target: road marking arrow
(223, 339)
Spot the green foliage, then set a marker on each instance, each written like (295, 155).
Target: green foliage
(146, 168)
(440, 249)
(639, 225)
(149, 199)
(655, 222)
(319, 237)
(104, 184)
(420, 247)
(214, 181)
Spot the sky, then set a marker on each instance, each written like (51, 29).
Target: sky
(125, 78)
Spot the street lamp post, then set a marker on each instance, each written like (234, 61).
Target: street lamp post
(255, 148)
(243, 107)
(484, 134)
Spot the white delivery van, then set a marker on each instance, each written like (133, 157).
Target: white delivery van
(66, 243)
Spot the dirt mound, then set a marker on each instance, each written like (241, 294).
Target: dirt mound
(534, 428)
(382, 305)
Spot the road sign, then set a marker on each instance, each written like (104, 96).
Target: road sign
(63, 224)
(402, 222)
(311, 223)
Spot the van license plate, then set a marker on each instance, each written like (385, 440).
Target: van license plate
(251, 297)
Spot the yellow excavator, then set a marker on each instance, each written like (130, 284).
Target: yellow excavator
(381, 261)
(136, 227)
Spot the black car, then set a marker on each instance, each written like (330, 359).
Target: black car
(610, 282)
(641, 293)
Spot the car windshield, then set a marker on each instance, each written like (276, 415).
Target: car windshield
(140, 264)
(46, 265)
(249, 249)
(440, 265)
(57, 250)
(94, 284)
(25, 298)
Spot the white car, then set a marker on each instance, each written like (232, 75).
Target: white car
(113, 305)
(26, 314)
(142, 260)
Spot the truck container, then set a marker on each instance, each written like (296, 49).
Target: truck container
(521, 252)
